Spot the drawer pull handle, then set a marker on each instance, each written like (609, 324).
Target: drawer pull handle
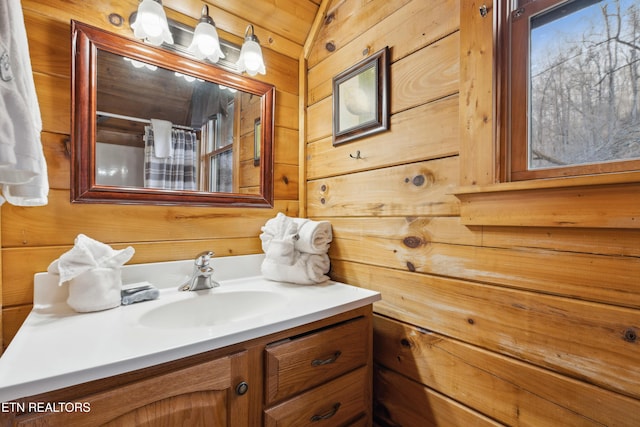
(327, 361)
(328, 415)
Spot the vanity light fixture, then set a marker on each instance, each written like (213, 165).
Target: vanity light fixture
(151, 23)
(205, 43)
(251, 55)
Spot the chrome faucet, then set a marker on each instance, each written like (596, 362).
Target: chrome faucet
(201, 276)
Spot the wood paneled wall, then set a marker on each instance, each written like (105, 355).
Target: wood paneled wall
(499, 324)
(248, 179)
(33, 237)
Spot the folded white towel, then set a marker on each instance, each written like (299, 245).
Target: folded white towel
(95, 289)
(281, 227)
(314, 237)
(23, 169)
(162, 141)
(281, 251)
(308, 269)
(88, 254)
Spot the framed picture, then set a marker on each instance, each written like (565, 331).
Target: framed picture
(257, 136)
(361, 99)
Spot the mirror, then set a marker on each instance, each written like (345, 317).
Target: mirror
(153, 126)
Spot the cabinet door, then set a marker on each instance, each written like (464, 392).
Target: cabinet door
(199, 395)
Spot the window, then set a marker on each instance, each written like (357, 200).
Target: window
(572, 88)
(217, 152)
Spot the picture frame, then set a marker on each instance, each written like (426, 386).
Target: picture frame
(257, 132)
(361, 99)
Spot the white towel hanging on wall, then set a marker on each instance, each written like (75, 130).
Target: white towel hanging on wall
(23, 169)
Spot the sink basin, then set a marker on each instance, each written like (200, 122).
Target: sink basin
(210, 308)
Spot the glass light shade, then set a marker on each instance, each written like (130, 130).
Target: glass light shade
(184, 76)
(151, 24)
(140, 64)
(205, 43)
(251, 58)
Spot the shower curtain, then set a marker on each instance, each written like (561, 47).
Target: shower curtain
(171, 173)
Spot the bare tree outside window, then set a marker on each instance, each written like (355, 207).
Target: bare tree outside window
(584, 84)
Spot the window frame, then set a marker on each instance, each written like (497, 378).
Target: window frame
(604, 201)
(513, 75)
(210, 153)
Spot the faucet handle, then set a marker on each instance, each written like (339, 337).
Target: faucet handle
(202, 260)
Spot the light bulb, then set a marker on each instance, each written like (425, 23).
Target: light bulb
(251, 55)
(151, 23)
(205, 43)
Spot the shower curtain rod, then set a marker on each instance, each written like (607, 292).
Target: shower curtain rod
(137, 119)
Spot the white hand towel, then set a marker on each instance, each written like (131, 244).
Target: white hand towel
(278, 228)
(314, 236)
(162, 141)
(281, 251)
(308, 269)
(86, 255)
(96, 289)
(23, 169)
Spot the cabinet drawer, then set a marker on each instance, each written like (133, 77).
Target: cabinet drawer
(334, 404)
(299, 364)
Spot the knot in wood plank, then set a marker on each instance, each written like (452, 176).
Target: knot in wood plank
(421, 179)
(413, 241)
(630, 335)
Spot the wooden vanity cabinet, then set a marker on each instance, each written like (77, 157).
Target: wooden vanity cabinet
(321, 377)
(317, 374)
(205, 394)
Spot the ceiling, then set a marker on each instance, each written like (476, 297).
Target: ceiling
(281, 25)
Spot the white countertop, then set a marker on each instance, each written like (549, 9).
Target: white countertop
(57, 347)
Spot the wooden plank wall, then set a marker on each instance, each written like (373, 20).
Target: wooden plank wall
(479, 325)
(33, 237)
(249, 172)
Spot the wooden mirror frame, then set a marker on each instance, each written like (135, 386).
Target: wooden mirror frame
(86, 40)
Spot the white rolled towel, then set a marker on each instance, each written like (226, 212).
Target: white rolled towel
(281, 227)
(281, 251)
(314, 237)
(96, 289)
(308, 269)
(92, 270)
(87, 254)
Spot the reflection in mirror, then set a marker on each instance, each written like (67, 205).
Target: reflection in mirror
(184, 142)
(160, 128)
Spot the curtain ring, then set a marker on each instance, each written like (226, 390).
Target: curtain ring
(357, 156)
